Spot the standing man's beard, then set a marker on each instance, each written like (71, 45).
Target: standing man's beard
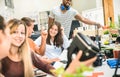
(66, 6)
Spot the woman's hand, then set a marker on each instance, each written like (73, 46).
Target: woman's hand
(76, 63)
(62, 30)
(44, 34)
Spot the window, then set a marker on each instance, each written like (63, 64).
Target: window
(9, 3)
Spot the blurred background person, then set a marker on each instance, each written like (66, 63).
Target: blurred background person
(64, 14)
(56, 41)
(30, 25)
(4, 38)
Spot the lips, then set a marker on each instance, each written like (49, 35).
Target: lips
(18, 41)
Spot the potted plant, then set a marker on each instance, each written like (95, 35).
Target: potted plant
(110, 33)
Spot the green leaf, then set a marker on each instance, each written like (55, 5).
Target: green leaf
(106, 32)
(79, 71)
(58, 71)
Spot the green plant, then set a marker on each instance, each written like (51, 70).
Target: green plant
(112, 25)
(106, 32)
(79, 71)
(114, 35)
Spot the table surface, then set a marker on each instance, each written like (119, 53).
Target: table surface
(108, 72)
(105, 69)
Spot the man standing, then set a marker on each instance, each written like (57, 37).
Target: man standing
(65, 14)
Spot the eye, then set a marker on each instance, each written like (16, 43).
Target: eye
(22, 32)
(56, 30)
(15, 31)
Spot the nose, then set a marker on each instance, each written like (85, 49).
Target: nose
(19, 34)
(32, 30)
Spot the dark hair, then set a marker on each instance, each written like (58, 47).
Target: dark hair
(27, 21)
(58, 40)
(117, 40)
(2, 24)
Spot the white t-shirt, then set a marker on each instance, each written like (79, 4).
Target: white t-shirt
(52, 51)
(64, 18)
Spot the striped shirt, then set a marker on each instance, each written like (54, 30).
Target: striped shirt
(64, 18)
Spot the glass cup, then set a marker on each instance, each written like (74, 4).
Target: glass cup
(116, 53)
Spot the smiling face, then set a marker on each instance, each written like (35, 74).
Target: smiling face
(18, 36)
(66, 2)
(53, 31)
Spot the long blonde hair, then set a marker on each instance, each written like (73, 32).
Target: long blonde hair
(24, 50)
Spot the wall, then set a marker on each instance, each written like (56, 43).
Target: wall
(32, 7)
(81, 5)
(116, 4)
(90, 9)
(95, 14)
(6, 12)
(29, 7)
(2, 6)
(23, 8)
(99, 3)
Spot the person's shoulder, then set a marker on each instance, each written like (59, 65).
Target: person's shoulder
(5, 58)
(56, 7)
(30, 40)
(72, 9)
